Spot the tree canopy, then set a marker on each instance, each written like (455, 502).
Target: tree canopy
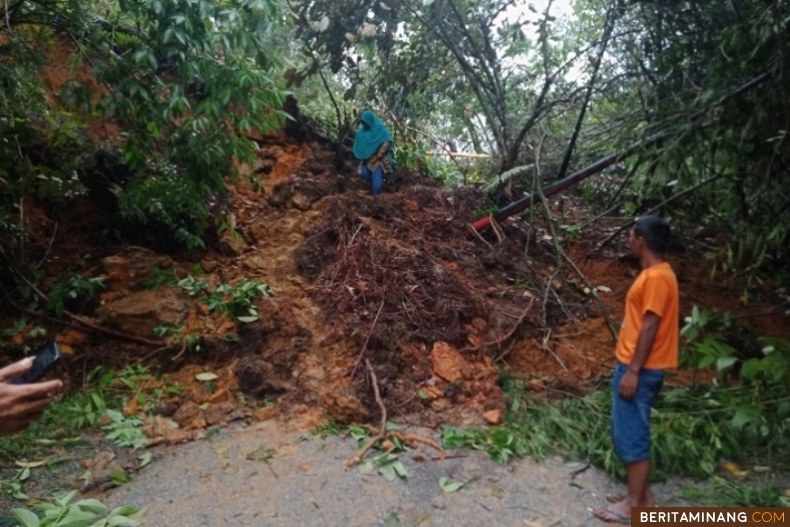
(189, 81)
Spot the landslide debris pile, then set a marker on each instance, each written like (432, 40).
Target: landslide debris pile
(398, 279)
(421, 296)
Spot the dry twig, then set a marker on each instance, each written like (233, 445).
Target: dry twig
(82, 324)
(474, 231)
(500, 235)
(547, 348)
(49, 246)
(365, 345)
(382, 430)
(411, 439)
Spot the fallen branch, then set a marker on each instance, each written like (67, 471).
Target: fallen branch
(365, 345)
(594, 294)
(382, 430)
(82, 325)
(180, 353)
(506, 352)
(49, 247)
(768, 313)
(626, 225)
(500, 235)
(408, 438)
(547, 348)
(480, 237)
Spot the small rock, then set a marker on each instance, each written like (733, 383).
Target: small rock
(264, 413)
(300, 201)
(255, 263)
(101, 460)
(493, 417)
(209, 266)
(275, 152)
(221, 413)
(447, 362)
(188, 412)
(232, 243)
(197, 423)
(440, 405)
(124, 271)
(139, 313)
(71, 337)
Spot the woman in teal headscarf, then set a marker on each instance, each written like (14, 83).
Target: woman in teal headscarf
(373, 146)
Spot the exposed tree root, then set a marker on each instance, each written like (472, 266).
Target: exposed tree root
(365, 345)
(382, 433)
(383, 428)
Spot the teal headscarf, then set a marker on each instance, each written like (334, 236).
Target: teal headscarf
(370, 137)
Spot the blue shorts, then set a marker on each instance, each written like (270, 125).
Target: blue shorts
(631, 419)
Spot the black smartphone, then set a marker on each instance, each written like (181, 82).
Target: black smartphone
(47, 356)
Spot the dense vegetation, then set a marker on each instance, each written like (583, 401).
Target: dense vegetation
(188, 81)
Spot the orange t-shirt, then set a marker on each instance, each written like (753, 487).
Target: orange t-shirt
(656, 290)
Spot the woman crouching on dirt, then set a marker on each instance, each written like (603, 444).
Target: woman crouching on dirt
(373, 146)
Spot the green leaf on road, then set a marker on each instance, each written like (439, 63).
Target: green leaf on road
(448, 485)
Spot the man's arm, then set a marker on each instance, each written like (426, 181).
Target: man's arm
(644, 345)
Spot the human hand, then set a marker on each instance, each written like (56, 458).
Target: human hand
(21, 404)
(628, 385)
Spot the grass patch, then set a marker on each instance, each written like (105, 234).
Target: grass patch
(692, 428)
(724, 493)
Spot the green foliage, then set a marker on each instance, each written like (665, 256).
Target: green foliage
(235, 301)
(456, 66)
(102, 397)
(728, 494)
(14, 487)
(72, 292)
(159, 278)
(125, 431)
(705, 345)
(449, 485)
(21, 331)
(486, 210)
(415, 157)
(188, 81)
(691, 59)
(386, 464)
(63, 511)
(191, 79)
(497, 441)
(692, 428)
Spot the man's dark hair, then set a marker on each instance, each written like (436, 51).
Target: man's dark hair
(655, 231)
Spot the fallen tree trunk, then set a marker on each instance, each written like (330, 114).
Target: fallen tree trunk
(602, 164)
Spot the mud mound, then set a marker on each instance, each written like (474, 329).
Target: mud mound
(413, 291)
(421, 295)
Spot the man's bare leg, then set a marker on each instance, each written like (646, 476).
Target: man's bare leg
(639, 493)
(648, 500)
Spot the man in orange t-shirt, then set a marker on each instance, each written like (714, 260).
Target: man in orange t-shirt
(647, 345)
